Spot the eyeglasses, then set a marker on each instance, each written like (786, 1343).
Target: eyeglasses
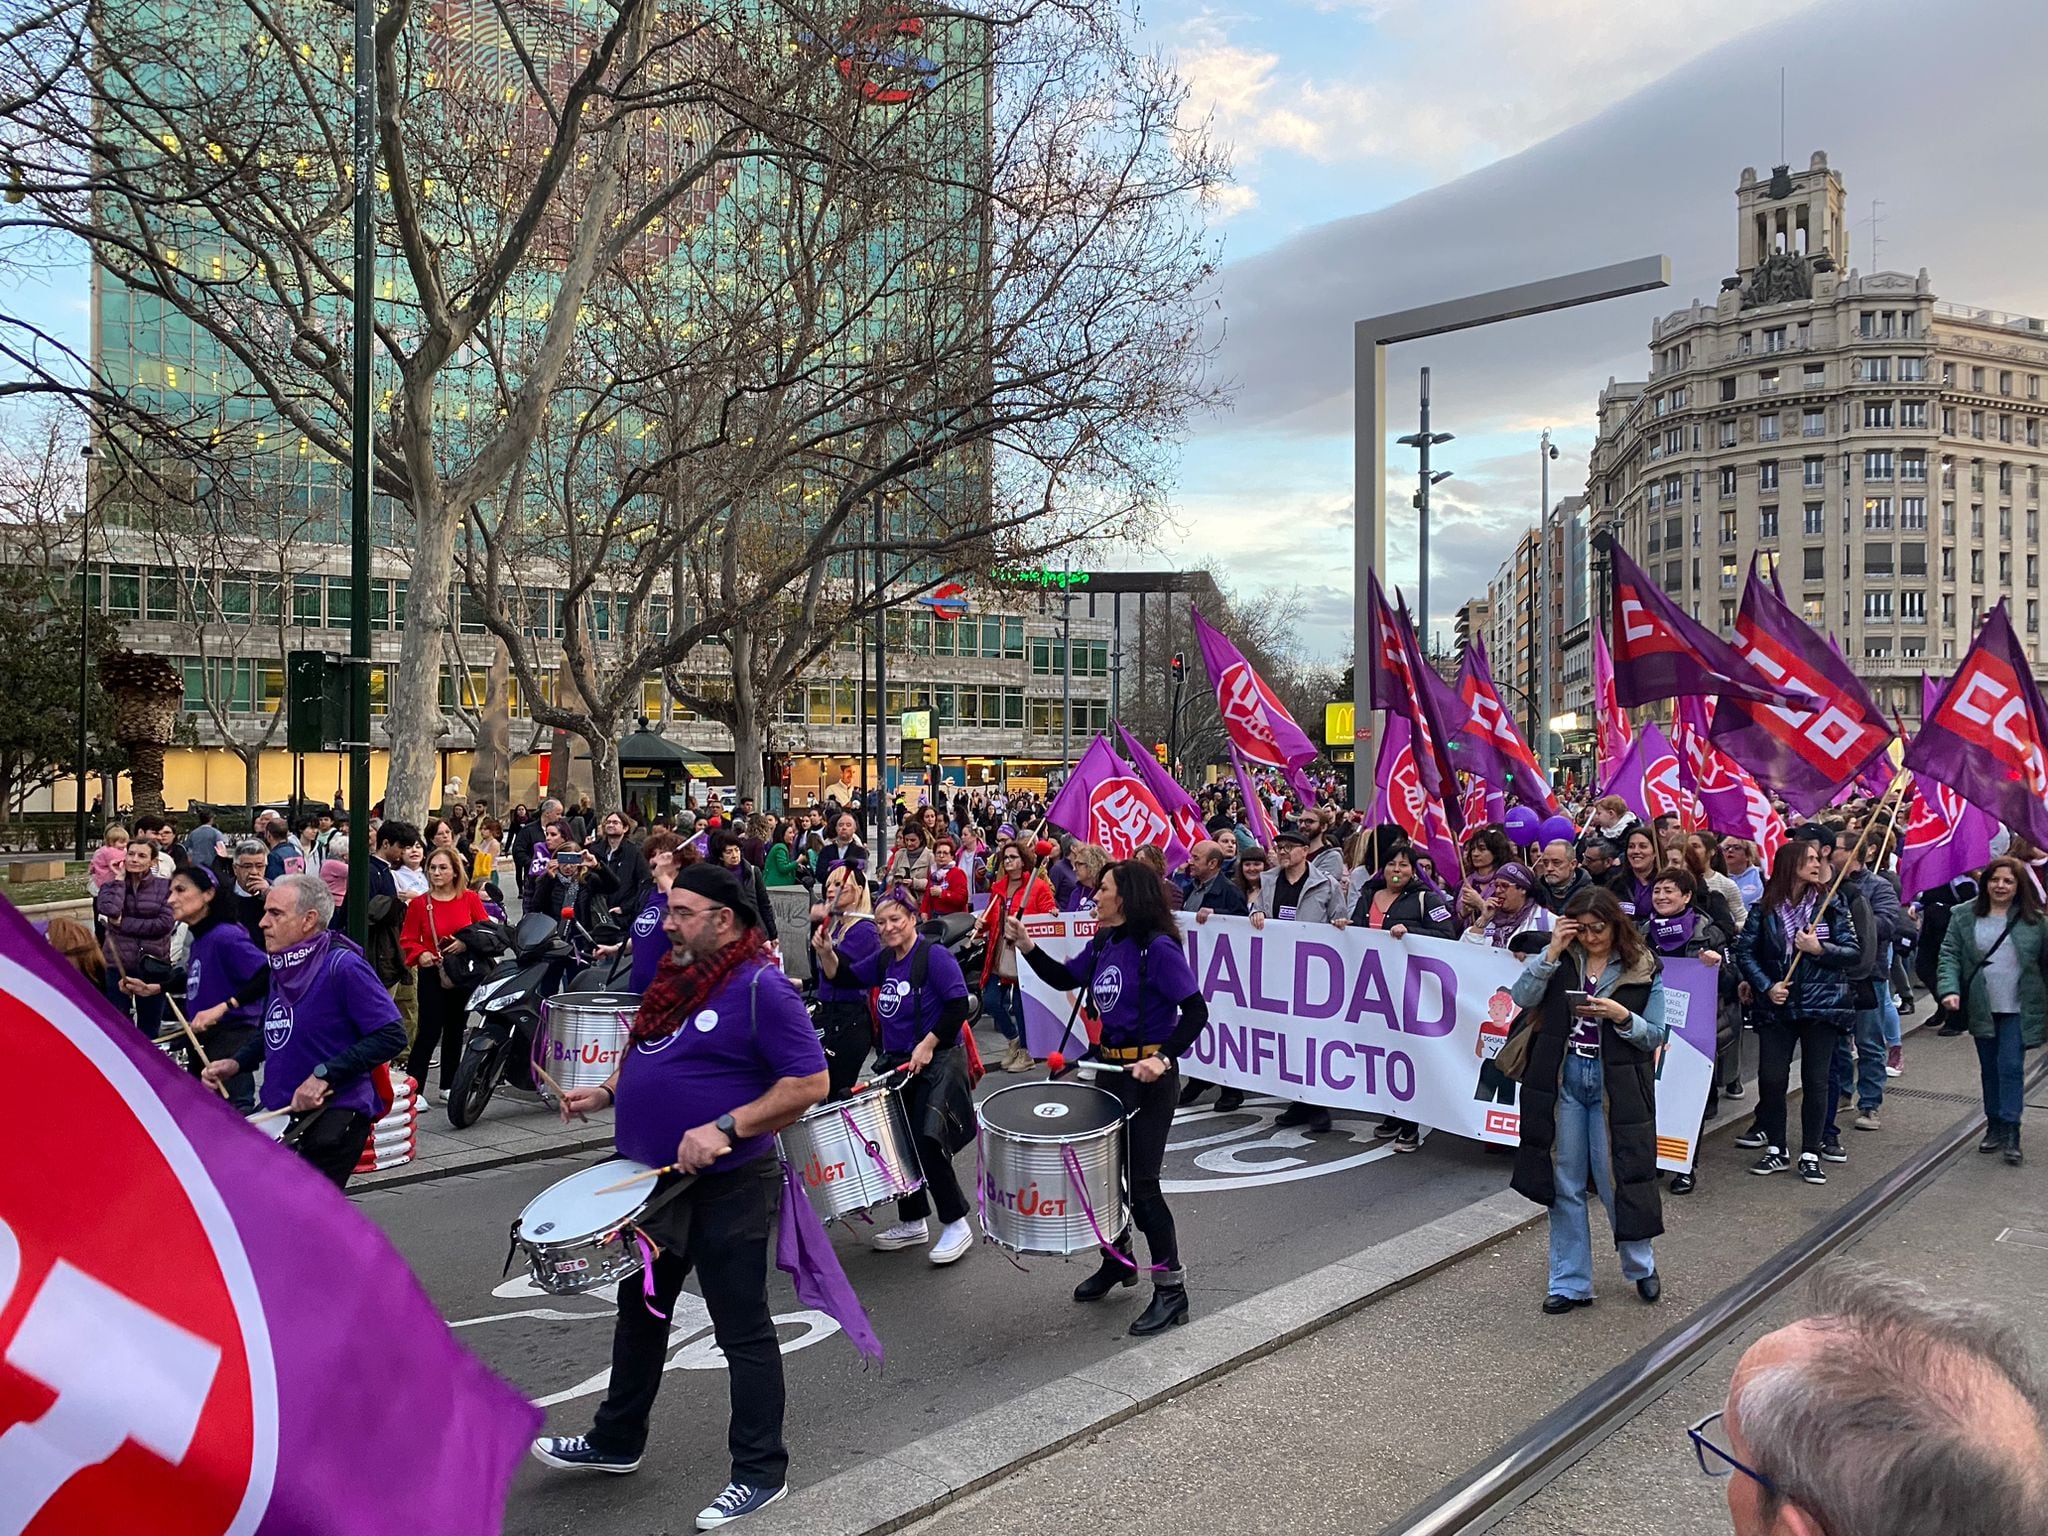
(692, 911)
(1592, 925)
(1723, 1464)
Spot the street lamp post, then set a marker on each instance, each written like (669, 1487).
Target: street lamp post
(1546, 749)
(1066, 670)
(361, 427)
(84, 631)
(881, 828)
(1422, 440)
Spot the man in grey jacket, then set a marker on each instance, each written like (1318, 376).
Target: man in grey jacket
(1297, 892)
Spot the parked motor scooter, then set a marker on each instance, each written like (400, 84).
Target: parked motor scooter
(548, 953)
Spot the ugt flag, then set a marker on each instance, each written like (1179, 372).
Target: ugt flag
(1945, 835)
(1401, 800)
(1987, 734)
(1257, 722)
(198, 1333)
(1659, 653)
(1647, 777)
(1105, 802)
(1612, 732)
(1185, 815)
(1731, 801)
(1805, 754)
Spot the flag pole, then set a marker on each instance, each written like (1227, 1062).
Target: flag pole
(1890, 805)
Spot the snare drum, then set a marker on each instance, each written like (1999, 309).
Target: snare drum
(576, 1239)
(855, 1153)
(583, 1035)
(1030, 1200)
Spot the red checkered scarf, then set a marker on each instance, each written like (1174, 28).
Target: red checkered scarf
(679, 989)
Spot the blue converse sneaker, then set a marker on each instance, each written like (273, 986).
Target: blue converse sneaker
(739, 1499)
(577, 1454)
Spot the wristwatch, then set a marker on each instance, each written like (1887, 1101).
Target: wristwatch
(321, 1071)
(727, 1127)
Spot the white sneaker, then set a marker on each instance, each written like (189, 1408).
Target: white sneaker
(955, 1238)
(905, 1234)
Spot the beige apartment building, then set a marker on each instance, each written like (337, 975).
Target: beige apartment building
(1882, 445)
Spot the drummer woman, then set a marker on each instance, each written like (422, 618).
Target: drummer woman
(1137, 977)
(845, 1025)
(921, 1000)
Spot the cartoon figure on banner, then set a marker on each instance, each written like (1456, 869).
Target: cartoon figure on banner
(1495, 1086)
(1122, 819)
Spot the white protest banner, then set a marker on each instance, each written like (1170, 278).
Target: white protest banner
(1356, 1019)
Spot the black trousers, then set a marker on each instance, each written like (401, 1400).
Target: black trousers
(444, 1012)
(941, 1183)
(848, 1034)
(1815, 1041)
(722, 1227)
(333, 1142)
(1151, 1105)
(1495, 1086)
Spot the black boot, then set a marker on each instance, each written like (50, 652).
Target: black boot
(1229, 1101)
(1114, 1272)
(1994, 1137)
(1169, 1309)
(2013, 1155)
(1192, 1090)
(1294, 1114)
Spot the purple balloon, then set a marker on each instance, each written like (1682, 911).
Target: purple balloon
(1522, 824)
(1559, 829)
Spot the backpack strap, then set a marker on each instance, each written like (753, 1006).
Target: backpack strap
(920, 963)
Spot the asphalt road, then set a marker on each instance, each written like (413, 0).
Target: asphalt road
(1256, 1206)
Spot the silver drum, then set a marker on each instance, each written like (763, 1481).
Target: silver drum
(1030, 1201)
(576, 1236)
(583, 1035)
(854, 1154)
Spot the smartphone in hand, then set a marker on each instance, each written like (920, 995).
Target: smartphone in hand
(1576, 1001)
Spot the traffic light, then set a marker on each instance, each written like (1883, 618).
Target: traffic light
(1159, 751)
(1180, 665)
(316, 702)
(931, 752)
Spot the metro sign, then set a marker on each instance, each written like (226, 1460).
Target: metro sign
(1829, 737)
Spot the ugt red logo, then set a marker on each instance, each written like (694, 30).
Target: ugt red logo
(1932, 821)
(1662, 793)
(135, 1377)
(1249, 708)
(1123, 817)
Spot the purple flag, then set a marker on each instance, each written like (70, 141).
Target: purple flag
(1401, 800)
(1659, 653)
(1647, 777)
(1805, 754)
(1182, 811)
(1105, 802)
(1730, 800)
(1491, 723)
(1945, 836)
(1985, 735)
(1257, 722)
(1255, 818)
(202, 1323)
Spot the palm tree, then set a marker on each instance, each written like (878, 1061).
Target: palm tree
(143, 693)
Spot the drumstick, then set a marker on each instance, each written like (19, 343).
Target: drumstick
(560, 1097)
(638, 1178)
(864, 1087)
(1056, 1064)
(192, 1035)
(270, 1114)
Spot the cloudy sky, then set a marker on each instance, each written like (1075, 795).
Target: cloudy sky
(1396, 152)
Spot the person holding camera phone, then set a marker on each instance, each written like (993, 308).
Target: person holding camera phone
(574, 879)
(134, 912)
(1589, 1094)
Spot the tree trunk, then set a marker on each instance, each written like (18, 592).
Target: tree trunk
(605, 789)
(414, 722)
(746, 714)
(490, 771)
(146, 776)
(252, 781)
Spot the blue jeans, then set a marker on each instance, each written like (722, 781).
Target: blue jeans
(999, 1000)
(1581, 1156)
(2001, 1059)
(1858, 1062)
(1894, 1031)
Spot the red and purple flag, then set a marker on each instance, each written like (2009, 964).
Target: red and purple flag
(1659, 653)
(199, 1332)
(1397, 690)
(1731, 801)
(1612, 732)
(1808, 752)
(1256, 820)
(1185, 815)
(1490, 722)
(1945, 836)
(1647, 777)
(1400, 800)
(1987, 735)
(1104, 801)
(1253, 716)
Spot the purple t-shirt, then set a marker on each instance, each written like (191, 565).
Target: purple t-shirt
(650, 943)
(859, 943)
(909, 1013)
(334, 1011)
(1129, 1018)
(223, 961)
(750, 1032)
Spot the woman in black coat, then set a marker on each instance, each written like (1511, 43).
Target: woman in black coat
(1796, 955)
(1589, 1094)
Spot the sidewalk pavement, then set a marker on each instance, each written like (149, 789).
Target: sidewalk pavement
(513, 1129)
(1346, 1428)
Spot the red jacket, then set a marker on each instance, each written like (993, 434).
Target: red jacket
(450, 917)
(947, 892)
(1035, 897)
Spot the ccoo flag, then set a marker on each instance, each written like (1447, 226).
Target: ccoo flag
(1256, 821)
(1987, 734)
(1612, 732)
(199, 1332)
(1804, 754)
(1659, 653)
(1105, 802)
(1401, 800)
(1945, 835)
(1730, 800)
(1185, 815)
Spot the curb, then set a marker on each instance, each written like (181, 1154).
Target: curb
(889, 1491)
